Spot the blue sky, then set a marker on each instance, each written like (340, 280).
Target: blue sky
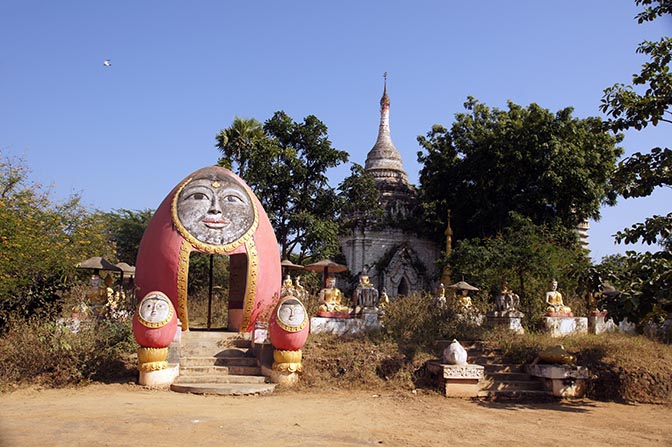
(124, 136)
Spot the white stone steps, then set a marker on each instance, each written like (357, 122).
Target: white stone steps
(221, 363)
(224, 389)
(224, 370)
(501, 368)
(219, 378)
(500, 385)
(217, 361)
(515, 395)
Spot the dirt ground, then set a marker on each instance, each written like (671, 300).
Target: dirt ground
(130, 415)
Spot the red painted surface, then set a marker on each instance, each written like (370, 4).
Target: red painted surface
(160, 337)
(282, 339)
(158, 260)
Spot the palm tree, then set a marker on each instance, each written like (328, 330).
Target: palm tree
(235, 141)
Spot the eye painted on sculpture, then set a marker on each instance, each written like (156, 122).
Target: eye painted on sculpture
(231, 198)
(198, 196)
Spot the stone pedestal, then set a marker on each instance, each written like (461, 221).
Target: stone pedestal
(473, 319)
(562, 380)
(562, 326)
(159, 378)
(597, 324)
(457, 380)
(370, 317)
(514, 324)
(344, 326)
(286, 378)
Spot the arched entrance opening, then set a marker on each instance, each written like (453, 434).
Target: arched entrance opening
(403, 288)
(216, 291)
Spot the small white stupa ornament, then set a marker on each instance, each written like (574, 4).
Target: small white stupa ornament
(455, 354)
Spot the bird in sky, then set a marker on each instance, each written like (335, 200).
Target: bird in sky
(107, 63)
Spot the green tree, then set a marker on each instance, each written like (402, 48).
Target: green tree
(125, 229)
(287, 170)
(646, 284)
(646, 101)
(527, 257)
(552, 168)
(40, 242)
(360, 200)
(237, 141)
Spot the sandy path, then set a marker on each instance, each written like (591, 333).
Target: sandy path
(129, 415)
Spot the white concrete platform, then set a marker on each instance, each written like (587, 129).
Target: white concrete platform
(562, 326)
(562, 380)
(514, 324)
(342, 326)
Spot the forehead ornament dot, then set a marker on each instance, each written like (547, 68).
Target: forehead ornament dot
(215, 184)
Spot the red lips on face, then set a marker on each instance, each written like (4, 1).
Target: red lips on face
(216, 224)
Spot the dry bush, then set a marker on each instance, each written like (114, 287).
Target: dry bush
(366, 363)
(415, 322)
(51, 354)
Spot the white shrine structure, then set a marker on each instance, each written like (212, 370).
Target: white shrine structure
(389, 251)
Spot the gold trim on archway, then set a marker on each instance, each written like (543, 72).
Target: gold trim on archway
(251, 284)
(182, 283)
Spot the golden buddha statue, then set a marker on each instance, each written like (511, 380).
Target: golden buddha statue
(384, 299)
(330, 299)
(554, 301)
(300, 291)
(465, 300)
(287, 287)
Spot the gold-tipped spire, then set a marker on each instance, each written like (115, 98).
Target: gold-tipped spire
(385, 100)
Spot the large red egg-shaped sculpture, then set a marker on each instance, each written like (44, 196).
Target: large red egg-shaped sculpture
(211, 211)
(288, 326)
(155, 321)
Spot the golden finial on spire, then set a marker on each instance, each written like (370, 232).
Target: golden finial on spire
(385, 101)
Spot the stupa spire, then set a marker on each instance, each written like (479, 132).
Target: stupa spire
(384, 161)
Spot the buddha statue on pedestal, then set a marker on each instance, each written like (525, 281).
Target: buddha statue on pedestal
(365, 297)
(330, 301)
(555, 305)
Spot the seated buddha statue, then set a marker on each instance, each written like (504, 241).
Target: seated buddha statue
(300, 292)
(330, 301)
(287, 287)
(465, 301)
(365, 297)
(555, 303)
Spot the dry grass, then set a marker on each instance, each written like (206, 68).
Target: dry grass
(369, 363)
(626, 368)
(198, 311)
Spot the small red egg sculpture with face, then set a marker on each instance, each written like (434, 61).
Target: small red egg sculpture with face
(289, 325)
(288, 329)
(154, 325)
(156, 315)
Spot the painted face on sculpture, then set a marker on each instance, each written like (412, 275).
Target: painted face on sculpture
(154, 308)
(292, 313)
(215, 211)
